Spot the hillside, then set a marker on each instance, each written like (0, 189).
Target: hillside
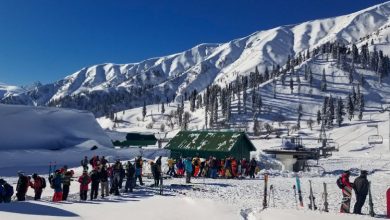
(107, 88)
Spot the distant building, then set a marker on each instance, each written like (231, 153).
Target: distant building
(209, 143)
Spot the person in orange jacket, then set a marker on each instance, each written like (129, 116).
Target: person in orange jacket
(84, 181)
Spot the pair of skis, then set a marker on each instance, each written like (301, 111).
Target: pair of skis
(266, 194)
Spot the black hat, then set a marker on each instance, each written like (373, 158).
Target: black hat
(347, 172)
(364, 172)
(34, 175)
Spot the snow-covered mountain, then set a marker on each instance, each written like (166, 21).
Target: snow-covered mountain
(8, 90)
(174, 75)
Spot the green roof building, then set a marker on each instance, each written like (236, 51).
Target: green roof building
(209, 143)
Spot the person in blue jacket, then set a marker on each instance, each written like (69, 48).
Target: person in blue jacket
(188, 169)
(8, 191)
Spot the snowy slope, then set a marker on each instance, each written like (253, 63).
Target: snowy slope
(216, 63)
(26, 127)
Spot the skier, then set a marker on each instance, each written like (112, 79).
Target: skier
(2, 192)
(228, 166)
(130, 174)
(22, 186)
(346, 187)
(84, 163)
(38, 185)
(67, 178)
(84, 181)
(103, 161)
(138, 170)
(57, 186)
(155, 172)
(213, 167)
(171, 166)
(252, 169)
(188, 169)
(104, 182)
(360, 185)
(8, 191)
(234, 165)
(95, 178)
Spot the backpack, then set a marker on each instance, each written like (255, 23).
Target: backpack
(340, 183)
(43, 183)
(8, 189)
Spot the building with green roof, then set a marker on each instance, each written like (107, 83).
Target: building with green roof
(210, 143)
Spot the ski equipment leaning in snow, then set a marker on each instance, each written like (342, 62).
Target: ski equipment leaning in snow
(265, 204)
(326, 204)
(370, 203)
(312, 204)
(299, 190)
(347, 192)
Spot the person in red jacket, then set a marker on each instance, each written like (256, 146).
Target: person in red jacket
(84, 181)
(37, 185)
(347, 192)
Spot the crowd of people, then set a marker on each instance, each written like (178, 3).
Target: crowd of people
(111, 178)
(212, 168)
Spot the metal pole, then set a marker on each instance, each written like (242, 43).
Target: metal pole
(389, 130)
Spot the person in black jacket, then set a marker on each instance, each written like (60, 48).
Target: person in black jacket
(95, 178)
(360, 185)
(22, 186)
(130, 175)
(104, 182)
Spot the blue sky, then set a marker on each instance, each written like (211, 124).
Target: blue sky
(46, 40)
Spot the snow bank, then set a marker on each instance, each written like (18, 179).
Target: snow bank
(26, 127)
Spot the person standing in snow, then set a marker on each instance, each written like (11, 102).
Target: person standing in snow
(104, 182)
(84, 181)
(8, 191)
(130, 174)
(347, 192)
(117, 172)
(138, 170)
(67, 178)
(171, 167)
(188, 169)
(95, 179)
(22, 186)
(84, 163)
(360, 185)
(57, 186)
(252, 168)
(38, 185)
(180, 167)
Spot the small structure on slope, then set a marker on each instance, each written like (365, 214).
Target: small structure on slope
(132, 139)
(210, 143)
(294, 155)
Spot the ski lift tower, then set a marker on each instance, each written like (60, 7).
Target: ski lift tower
(161, 136)
(387, 109)
(322, 137)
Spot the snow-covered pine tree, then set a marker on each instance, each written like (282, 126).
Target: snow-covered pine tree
(256, 127)
(350, 107)
(259, 103)
(319, 118)
(162, 108)
(330, 112)
(323, 81)
(254, 102)
(291, 84)
(244, 98)
(310, 77)
(144, 111)
(340, 112)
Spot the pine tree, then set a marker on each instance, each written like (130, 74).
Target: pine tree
(340, 112)
(291, 85)
(144, 111)
(310, 77)
(162, 108)
(330, 112)
(244, 98)
(256, 127)
(350, 107)
(319, 117)
(323, 81)
(259, 103)
(254, 102)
